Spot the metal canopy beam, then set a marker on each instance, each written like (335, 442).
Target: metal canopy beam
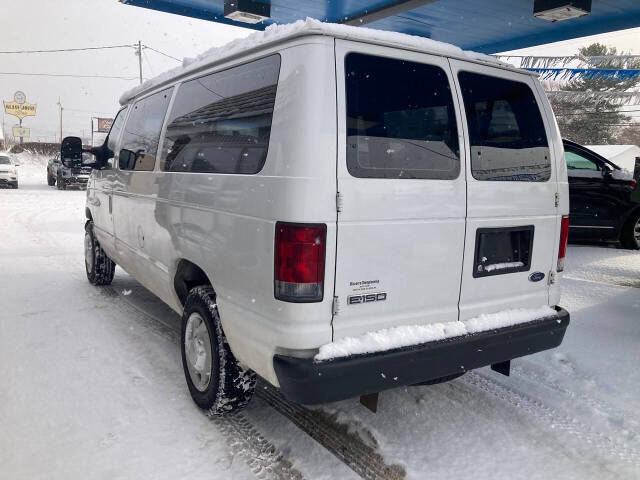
(392, 8)
(487, 26)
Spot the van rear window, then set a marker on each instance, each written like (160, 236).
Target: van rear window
(400, 119)
(506, 131)
(221, 123)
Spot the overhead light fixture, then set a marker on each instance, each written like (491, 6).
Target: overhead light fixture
(558, 10)
(246, 11)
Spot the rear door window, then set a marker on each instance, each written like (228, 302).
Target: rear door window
(221, 123)
(400, 119)
(142, 132)
(506, 132)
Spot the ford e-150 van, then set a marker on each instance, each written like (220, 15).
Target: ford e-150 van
(337, 210)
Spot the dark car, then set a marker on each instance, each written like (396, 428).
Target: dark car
(52, 170)
(600, 199)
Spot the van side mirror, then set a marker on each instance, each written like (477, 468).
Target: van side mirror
(71, 153)
(71, 150)
(607, 173)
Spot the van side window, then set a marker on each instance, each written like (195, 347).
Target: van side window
(112, 138)
(400, 119)
(221, 123)
(506, 131)
(142, 132)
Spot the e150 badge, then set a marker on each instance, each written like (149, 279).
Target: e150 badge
(366, 298)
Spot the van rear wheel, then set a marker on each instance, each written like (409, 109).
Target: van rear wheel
(99, 267)
(216, 380)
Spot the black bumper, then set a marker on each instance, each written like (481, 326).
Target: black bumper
(304, 381)
(73, 181)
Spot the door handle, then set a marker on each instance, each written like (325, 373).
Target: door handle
(110, 202)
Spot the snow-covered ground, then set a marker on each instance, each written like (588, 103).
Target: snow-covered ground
(91, 384)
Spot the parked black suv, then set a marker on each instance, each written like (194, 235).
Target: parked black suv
(600, 199)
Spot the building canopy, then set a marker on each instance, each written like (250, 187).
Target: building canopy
(487, 26)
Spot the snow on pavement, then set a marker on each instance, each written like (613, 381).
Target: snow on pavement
(92, 384)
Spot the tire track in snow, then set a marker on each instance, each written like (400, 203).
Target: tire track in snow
(530, 373)
(604, 444)
(347, 446)
(263, 458)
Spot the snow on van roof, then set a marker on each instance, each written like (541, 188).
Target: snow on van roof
(277, 33)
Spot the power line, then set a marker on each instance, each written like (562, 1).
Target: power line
(162, 53)
(58, 50)
(68, 75)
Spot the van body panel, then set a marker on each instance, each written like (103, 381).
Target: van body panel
(225, 223)
(398, 236)
(510, 204)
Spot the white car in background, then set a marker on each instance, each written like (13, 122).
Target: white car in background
(8, 171)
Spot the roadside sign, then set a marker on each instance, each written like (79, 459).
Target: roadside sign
(21, 132)
(104, 124)
(19, 107)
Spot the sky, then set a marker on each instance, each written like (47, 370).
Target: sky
(64, 24)
(86, 23)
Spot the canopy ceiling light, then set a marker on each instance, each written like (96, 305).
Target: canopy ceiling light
(246, 11)
(557, 10)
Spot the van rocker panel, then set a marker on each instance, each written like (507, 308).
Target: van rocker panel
(308, 382)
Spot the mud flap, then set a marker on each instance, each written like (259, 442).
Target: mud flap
(503, 367)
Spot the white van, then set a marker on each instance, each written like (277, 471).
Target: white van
(338, 210)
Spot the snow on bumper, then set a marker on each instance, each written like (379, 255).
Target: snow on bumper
(439, 352)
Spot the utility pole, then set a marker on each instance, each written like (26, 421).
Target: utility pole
(60, 105)
(140, 59)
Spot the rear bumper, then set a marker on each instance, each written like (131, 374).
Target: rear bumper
(304, 381)
(75, 181)
(7, 181)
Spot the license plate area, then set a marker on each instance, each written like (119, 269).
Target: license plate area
(502, 250)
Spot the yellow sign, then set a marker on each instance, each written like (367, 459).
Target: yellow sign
(20, 110)
(21, 132)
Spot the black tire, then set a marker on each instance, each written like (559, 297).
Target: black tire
(59, 182)
(51, 181)
(99, 267)
(435, 381)
(630, 232)
(15, 185)
(230, 385)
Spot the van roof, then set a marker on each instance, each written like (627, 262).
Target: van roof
(274, 34)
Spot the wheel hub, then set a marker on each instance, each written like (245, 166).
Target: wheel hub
(197, 346)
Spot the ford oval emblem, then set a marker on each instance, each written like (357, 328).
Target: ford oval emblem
(536, 276)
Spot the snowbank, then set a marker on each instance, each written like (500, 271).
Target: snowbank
(275, 33)
(405, 336)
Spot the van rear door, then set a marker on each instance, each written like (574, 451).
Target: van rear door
(512, 218)
(401, 190)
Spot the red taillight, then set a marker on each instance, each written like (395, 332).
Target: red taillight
(299, 262)
(564, 238)
(633, 184)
